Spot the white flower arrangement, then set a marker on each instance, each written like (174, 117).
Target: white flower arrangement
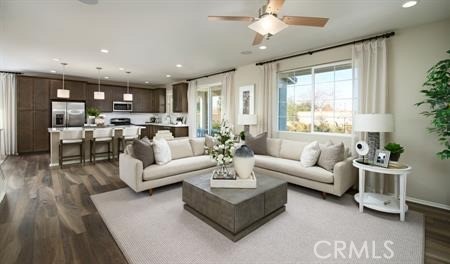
(223, 151)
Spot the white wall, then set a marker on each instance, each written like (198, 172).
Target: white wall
(411, 52)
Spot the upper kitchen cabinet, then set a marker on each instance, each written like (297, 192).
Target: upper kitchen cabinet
(25, 93)
(142, 100)
(103, 105)
(159, 100)
(77, 89)
(41, 94)
(117, 93)
(180, 102)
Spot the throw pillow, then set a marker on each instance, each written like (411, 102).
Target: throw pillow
(310, 154)
(162, 151)
(210, 142)
(180, 148)
(198, 146)
(330, 155)
(143, 151)
(257, 143)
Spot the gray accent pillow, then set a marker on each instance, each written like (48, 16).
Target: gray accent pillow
(330, 155)
(257, 143)
(143, 151)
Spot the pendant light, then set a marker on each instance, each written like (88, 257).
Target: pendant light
(99, 95)
(128, 96)
(63, 93)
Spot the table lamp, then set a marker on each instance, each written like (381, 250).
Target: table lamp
(247, 120)
(374, 124)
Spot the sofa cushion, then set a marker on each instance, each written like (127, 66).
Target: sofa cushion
(180, 148)
(178, 166)
(198, 146)
(273, 147)
(210, 142)
(291, 149)
(257, 143)
(330, 155)
(293, 168)
(143, 151)
(310, 154)
(162, 151)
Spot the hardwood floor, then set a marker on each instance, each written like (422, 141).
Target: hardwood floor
(48, 216)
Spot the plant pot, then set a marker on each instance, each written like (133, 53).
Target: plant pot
(394, 157)
(91, 120)
(244, 161)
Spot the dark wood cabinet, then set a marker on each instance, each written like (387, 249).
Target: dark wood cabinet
(41, 94)
(77, 89)
(151, 130)
(25, 130)
(25, 93)
(40, 130)
(180, 101)
(102, 105)
(117, 93)
(159, 100)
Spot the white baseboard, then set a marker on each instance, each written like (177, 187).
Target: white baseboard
(428, 203)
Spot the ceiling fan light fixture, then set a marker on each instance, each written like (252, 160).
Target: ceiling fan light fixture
(268, 24)
(409, 3)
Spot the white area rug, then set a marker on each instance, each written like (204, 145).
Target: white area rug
(156, 229)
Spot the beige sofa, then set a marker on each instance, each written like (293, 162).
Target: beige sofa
(282, 161)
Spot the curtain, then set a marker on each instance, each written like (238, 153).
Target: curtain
(192, 111)
(370, 86)
(228, 100)
(8, 114)
(269, 92)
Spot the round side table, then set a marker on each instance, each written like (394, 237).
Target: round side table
(386, 203)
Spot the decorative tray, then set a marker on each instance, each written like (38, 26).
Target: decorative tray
(238, 183)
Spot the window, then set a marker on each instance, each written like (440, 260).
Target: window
(209, 107)
(316, 99)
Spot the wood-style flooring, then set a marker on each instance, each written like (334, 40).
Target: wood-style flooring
(48, 216)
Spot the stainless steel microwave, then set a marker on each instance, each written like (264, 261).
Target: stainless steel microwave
(122, 106)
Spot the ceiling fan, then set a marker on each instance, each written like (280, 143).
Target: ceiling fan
(268, 23)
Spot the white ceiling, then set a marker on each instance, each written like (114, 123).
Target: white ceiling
(150, 37)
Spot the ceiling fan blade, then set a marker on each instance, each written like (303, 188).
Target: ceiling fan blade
(231, 18)
(305, 21)
(274, 6)
(258, 39)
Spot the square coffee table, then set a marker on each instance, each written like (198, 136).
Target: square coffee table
(235, 212)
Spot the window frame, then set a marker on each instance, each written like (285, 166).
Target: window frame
(313, 100)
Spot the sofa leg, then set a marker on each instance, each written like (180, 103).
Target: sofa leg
(150, 192)
(324, 195)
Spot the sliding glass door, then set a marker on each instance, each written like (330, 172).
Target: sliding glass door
(209, 110)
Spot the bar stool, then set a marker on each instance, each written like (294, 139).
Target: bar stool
(128, 135)
(101, 136)
(71, 137)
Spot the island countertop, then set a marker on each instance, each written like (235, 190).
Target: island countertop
(162, 124)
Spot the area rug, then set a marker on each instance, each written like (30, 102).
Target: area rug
(156, 229)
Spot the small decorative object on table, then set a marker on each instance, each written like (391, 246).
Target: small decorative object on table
(100, 121)
(222, 152)
(92, 113)
(244, 159)
(237, 183)
(362, 148)
(382, 158)
(395, 149)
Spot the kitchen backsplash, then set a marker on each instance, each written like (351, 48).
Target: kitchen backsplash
(139, 118)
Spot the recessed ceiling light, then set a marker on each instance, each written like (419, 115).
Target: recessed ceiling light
(409, 3)
(104, 51)
(262, 47)
(147, 82)
(121, 69)
(178, 65)
(53, 71)
(106, 77)
(168, 75)
(55, 59)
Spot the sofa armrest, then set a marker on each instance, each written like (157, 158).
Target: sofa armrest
(344, 175)
(130, 171)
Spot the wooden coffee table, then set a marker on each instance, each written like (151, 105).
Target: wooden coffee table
(235, 212)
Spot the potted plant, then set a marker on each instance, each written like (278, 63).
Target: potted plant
(438, 98)
(395, 149)
(223, 150)
(92, 113)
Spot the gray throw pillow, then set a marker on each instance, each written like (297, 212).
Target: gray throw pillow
(143, 151)
(330, 155)
(257, 143)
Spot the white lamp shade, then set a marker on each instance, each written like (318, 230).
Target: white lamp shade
(99, 95)
(374, 123)
(268, 24)
(62, 93)
(247, 119)
(128, 97)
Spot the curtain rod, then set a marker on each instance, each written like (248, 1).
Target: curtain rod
(212, 74)
(385, 35)
(10, 72)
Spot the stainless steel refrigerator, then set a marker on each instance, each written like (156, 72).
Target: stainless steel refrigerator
(68, 114)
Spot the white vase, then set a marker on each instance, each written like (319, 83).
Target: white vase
(244, 161)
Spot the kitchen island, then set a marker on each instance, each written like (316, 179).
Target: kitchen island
(181, 130)
(88, 133)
